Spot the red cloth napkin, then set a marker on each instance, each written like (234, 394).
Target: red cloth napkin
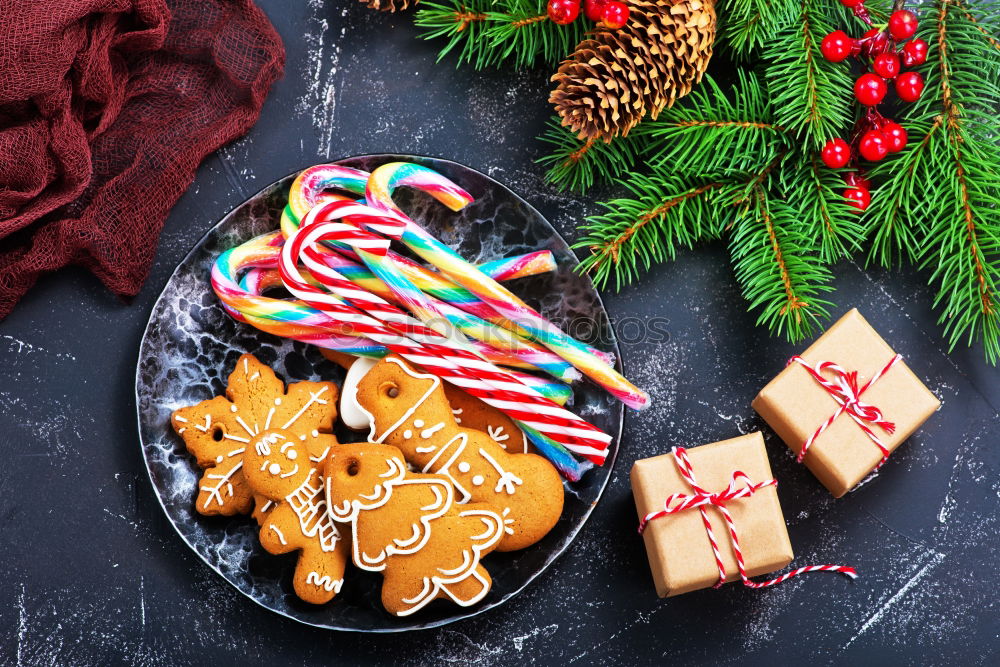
(106, 109)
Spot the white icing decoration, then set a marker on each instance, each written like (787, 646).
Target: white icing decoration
(236, 451)
(250, 431)
(458, 420)
(478, 480)
(497, 433)
(219, 458)
(181, 430)
(418, 423)
(428, 432)
(315, 433)
(407, 434)
(233, 408)
(281, 537)
(267, 506)
(464, 466)
(456, 411)
(314, 397)
(255, 376)
(351, 412)
(263, 465)
(458, 443)
(507, 479)
(292, 455)
(277, 401)
(290, 472)
(208, 423)
(314, 518)
(426, 450)
(274, 469)
(435, 383)
(286, 446)
(236, 438)
(324, 582)
(213, 492)
(267, 422)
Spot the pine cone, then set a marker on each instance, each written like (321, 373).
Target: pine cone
(617, 76)
(390, 5)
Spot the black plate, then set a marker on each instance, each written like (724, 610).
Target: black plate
(190, 346)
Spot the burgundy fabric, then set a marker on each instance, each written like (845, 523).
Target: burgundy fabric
(106, 109)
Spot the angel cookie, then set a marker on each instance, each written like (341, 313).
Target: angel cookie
(410, 410)
(278, 467)
(408, 527)
(217, 431)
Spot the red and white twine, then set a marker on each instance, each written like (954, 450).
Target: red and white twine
(700, 498)
(843, 388)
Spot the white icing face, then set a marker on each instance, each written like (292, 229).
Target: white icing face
(351, 412)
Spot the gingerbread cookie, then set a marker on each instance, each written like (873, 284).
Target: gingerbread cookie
(408, 527)
(277, 466)
(217, 431)
(469, 411)
(409, 410)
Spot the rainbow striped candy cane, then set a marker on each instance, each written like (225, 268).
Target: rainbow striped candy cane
(544, 421)
(308, 189)
(372, 248)
(289, 319)
(386, 178)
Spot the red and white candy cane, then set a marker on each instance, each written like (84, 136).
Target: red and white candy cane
(843, 388)
(699, 498)
(414, 341)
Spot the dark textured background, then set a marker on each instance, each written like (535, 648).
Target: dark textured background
(94, 574)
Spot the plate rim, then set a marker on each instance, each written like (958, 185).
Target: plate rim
(475, 610)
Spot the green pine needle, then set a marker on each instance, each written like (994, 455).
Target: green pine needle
(775, 265)
(576, 165)
(487, 34)
(811, 96)
(749, 24)
(663, 214)
(712, 133)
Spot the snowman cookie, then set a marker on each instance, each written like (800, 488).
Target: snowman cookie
(410, 410)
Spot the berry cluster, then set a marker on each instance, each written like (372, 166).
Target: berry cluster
(875, 136)
(606, 13)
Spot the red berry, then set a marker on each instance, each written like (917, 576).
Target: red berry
(852, 3)
(836, 153)
(915, 52)
(858, 198)
(836, 46)
(872, 146)
(902, 24)
(874, 42)
(886, 65)
(870, 89)
(615, 15)
(909, 85)
(894, 135)
(563, 11)
(593, 9)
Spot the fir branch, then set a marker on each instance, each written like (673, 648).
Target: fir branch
(811, 96)
(575, 165)
(775, 267)
(664, 213)
(711, 133)
(962, 245)
(832, 225)
(893, 218)
(520, 33)
(750, 24)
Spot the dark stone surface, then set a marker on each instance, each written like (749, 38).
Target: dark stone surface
(95, 575)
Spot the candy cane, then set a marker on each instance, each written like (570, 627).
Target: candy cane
(419, 344)
(307, 190)
(378, 194)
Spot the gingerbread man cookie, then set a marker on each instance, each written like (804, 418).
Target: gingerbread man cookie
(408, 527)
(278, 467)
(217, 431)
(409, 410)
(469, 411)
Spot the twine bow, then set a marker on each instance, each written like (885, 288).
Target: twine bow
(843, 388)
(700, 498)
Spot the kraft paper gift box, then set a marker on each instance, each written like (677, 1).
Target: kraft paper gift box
(795, 405)
(677, 545)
